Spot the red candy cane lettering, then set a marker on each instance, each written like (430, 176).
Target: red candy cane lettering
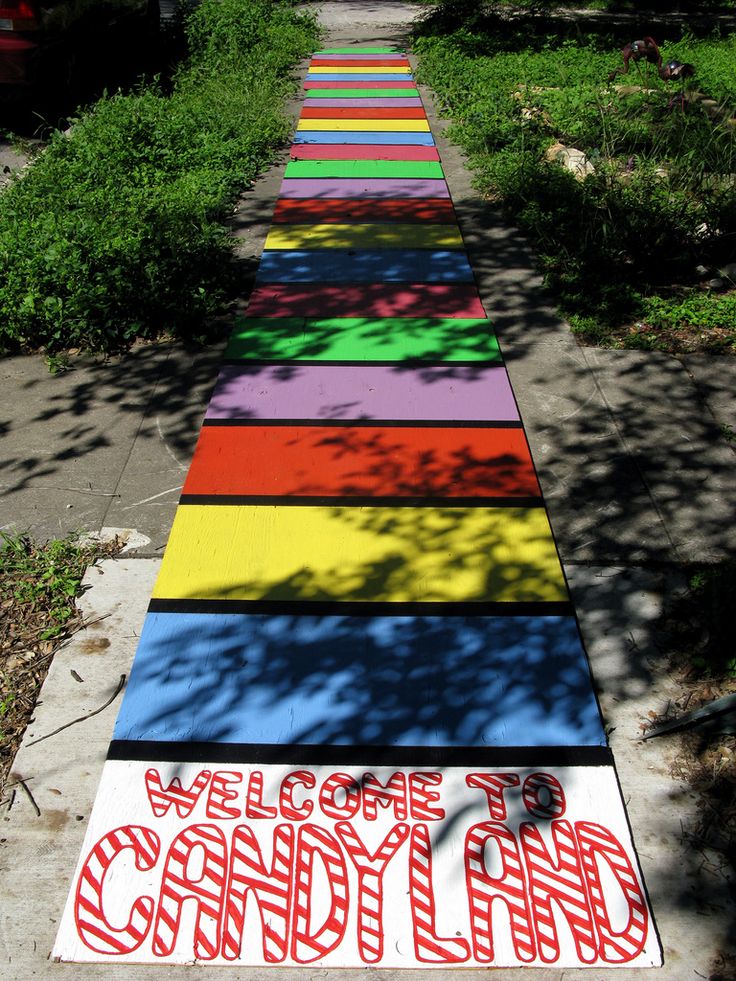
(428, 947)
(560, 881)
(289, 810)
(161, 798)
(421, 799)
(509, 887)
(271, 891)
(306, 946)
(207, 890)
(370, 884)
(92, 924)
(494, 785)
(334, 785)
(595, 840)
(254, 806)
(220, 794)
(393, 794)
(543, 796)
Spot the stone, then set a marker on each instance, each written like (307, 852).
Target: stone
(571, 159)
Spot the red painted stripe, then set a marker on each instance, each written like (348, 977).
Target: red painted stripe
(362, 151)
(321, 210)
(366, 461)
(358, 112)
(342, 84)
(349, 62)
(365, 300)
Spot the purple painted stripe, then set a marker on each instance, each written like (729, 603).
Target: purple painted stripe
(363, 188)
(363, 392)
(369, 56)
(363, 103)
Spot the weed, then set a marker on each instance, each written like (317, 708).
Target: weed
(660, 202)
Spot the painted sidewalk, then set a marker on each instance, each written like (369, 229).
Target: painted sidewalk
(360, 727)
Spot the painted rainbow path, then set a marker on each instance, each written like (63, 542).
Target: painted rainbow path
(360, 727)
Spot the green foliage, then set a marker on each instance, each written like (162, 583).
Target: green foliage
(43, 577)
(117, 231)
(661, 199)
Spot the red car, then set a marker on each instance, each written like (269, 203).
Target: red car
(41, 41)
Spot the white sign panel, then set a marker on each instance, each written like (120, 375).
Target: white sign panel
(392, 867)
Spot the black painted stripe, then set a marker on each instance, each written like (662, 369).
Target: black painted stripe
(343, 500)
(356, 608)
(393, 423)
(352, 756)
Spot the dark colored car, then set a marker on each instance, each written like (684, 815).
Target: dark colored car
(42, 41)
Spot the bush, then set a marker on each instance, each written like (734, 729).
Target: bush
(117, 232)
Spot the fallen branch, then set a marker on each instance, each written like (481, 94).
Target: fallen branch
(83, 718)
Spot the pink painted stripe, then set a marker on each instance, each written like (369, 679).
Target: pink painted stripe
(340, 83)
(363, 103)
(363, 392)
(366, 300)
(353, 187)
(362, 151)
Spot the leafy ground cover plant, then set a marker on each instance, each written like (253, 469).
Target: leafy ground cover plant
(38, 588)
(117, 231)
(629, 249)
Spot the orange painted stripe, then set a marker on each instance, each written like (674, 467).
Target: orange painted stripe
(358, 112)
(356, 461)
(348, 62)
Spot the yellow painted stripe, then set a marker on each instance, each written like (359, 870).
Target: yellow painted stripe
(361, 554)
(359, 70)
(365, 236)
(378, 125)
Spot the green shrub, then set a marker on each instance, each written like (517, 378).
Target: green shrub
(117, 231)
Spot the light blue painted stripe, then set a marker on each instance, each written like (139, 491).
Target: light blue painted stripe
(334, 136)
(343, 680)
(384, 266)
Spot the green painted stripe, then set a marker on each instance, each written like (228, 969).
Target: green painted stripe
(361, 93)
(339, 51)
(370, 169)
(362, 339)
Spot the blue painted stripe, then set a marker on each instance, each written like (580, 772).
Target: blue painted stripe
(334, 136)
(346, 680)
(383, 266)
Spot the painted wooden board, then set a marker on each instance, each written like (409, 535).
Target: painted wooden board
(342, 102)
(356, 62)
(362, 111)
(355, 49)
(365, 266)
(363, 339)
(366, 462)
(331, 391)
(455, 849)
(320, 136)
(360, 728)
(380, 71)
(369, 236)
(370, 300)
(366, 554)
(365, 125)
(321, 210)
(358, 83)
(371, 169)
(368, 151)
(327, 91)
(361, 680)
(386, 187)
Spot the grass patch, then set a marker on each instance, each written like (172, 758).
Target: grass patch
(117, 231)
(38, 588)
(629, 248)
